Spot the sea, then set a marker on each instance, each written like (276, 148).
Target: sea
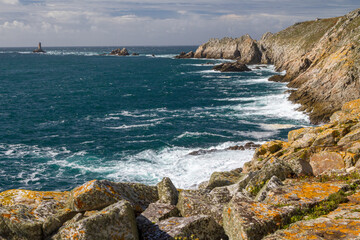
(72, 115)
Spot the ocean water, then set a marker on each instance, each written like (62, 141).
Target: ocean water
(71, 115)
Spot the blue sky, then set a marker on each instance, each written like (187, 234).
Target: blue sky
(152, 22)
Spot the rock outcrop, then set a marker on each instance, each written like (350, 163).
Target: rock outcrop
(321, 59)
(244, 49)
(120, 52)
(237, 66)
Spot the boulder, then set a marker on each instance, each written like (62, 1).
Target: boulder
(120, 52)
(219, 179)
(167, 192)
(327, 138)
(350, 137)
(114, 222)
(247, 219)
(97, 194)
(276, 168)
(237, 66)
(157, 212)
(24, 213)
(195, 202)
(343, 223)
(193, 227)
(272, 184)
(325, 161)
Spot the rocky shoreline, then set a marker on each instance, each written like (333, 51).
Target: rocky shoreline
(305, 188)
(320, 57)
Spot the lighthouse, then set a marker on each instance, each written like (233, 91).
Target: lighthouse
(39, 49)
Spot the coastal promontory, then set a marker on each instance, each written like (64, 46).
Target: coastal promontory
(320, 57)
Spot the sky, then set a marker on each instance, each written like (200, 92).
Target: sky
(152, 22)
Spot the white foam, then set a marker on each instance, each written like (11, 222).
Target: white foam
(131, 126)
(197, 134)
(186, 171)
(161, 55)
(272, 106)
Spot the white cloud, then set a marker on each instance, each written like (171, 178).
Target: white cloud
(150, 22)
(11, 2)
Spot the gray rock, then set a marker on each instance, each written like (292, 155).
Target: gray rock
(167, 192)
(272, 184)
(114, 222)
(194, 227)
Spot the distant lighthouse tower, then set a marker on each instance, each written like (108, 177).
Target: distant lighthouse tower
(39, 49)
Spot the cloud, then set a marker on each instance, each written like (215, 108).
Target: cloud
(152, 22)
(11, 2)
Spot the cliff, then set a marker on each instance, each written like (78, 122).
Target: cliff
(321, 59)
(303, 188)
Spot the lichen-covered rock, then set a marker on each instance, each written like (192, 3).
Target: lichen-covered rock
(167, 192)
(276, 168)
(350, 137)
(194, 227)
(343, 223)
(194, 202)
(97, 194)
(272, 184)
(326, 138)
(302, 194)
(157, 212)
(219, 179)
(23, 212)
(325, 161)
(250, 220)
(114, 222)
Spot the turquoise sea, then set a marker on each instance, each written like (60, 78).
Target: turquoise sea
(71, 115)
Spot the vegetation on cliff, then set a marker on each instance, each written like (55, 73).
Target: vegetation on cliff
(321, 59)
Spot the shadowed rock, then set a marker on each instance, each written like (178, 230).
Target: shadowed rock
(237, 66)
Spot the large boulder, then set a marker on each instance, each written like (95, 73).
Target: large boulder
(167, 192)
(219, 179)
(97, 194)
(114, 222)
(326, 161)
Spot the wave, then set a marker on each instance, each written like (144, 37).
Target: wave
(198, 134)
(275, 106)
(161, 55)
(132, 126)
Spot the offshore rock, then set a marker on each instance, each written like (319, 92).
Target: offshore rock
(186, 55)
(167, 192)
(237, 66)
(120, 52)
(114, 222)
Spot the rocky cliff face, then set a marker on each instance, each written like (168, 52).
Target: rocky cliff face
(321, 59)
(243, 48)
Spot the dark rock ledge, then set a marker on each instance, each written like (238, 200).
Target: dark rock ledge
(305, 188)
